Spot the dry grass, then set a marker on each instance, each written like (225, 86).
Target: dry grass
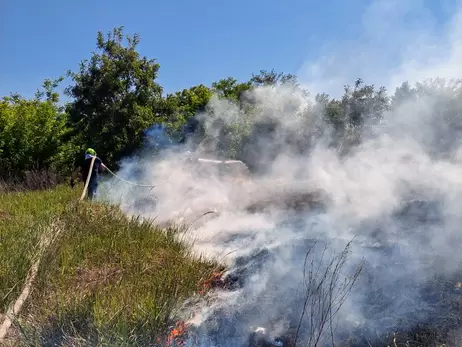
(31, 181)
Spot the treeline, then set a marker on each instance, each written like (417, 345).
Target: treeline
(115, 100)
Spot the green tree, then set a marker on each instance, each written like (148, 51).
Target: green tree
(358, 112)
(438, 102)
(116, 97)
(271, 78)
(181, 109)
(31, 131)
(229, 137)
(364, 104)
(229, 88)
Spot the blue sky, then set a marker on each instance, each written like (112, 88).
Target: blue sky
(194, 41)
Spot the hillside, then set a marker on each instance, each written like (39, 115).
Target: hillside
(105, 279)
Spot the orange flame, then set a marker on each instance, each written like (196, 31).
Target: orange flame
(177, 334)
(214, 280)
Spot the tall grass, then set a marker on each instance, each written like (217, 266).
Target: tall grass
(106, 280)
(23, 218)
(31, 181)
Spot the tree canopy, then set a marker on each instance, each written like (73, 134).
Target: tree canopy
(115, 97)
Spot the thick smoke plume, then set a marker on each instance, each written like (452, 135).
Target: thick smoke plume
(396, 194)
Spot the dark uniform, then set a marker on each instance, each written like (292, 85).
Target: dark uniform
(84, 165)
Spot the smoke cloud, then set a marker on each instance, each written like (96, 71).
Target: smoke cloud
(397, 194)
(400, 41)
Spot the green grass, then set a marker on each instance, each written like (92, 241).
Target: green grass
(106, 280)
(23, 217)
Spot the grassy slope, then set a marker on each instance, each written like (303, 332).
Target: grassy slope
(106, 279)
(23, 217)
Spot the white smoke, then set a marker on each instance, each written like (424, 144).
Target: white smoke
(364, 191)
(400, 41)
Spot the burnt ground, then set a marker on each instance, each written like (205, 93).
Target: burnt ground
(288, 201)
(434, 322)
(399, 308)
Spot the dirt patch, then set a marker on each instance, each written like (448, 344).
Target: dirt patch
(97, 275)
(88, 279)
(5, 215)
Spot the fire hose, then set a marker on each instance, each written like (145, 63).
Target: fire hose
(113, 174)
(88, 179)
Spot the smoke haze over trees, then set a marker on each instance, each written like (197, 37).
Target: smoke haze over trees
(115, 100)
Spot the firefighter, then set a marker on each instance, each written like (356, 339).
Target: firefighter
(84, 166)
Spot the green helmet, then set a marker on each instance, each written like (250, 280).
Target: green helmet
(90, 151)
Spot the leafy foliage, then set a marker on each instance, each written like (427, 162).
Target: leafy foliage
(229, 88)
(265, 78)
(115, 97)
(30, 131)
(181, 108)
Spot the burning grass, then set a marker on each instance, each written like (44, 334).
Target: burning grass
(107, 278)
